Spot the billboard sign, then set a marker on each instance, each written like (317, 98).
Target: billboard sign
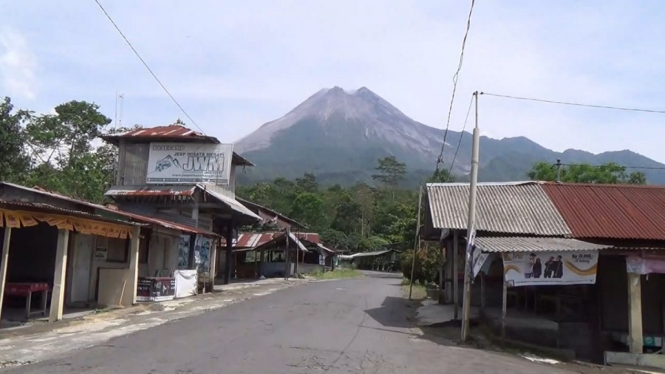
(188, 163)
(550, 268)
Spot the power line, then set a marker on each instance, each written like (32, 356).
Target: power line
(439, 160)
(461, 134)
(623, 166)
(575, 104)
(147, 67)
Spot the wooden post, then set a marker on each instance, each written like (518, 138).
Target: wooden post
(134, 262)
(287, 267)
(482, 293)
(455, 275)
(504, 308)
(58, 293)
(449, 272)
(442, 277)
(635, 338)
(229, 252)
(213, 264)
(4, 263)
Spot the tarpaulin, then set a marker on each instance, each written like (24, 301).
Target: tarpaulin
(186, 283)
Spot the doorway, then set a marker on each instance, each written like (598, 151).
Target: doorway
(82, 263)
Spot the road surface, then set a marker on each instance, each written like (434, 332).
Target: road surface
(345, 326)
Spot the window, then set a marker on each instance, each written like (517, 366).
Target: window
(118, 250)
(143, 248)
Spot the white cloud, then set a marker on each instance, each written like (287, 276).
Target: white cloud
(235, 65)
(17, 64)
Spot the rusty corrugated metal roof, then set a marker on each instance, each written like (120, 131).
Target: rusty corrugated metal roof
(170, 132)
(610, 211)
(176, 133)
(513, 207)
(48, 208)
(98, 207)
(151, 191)
(523, 244)
(250, 240)
(161, 222)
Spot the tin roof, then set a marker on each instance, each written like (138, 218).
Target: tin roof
(163, 223)
(513, 207)
(610, 211)
(47, 208)
(170, 133)
(523, 244)
(151, 191)
(161, 133)
(98, 207)
(267, 213)
(251, 240)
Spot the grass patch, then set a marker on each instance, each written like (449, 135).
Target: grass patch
(419, 290)
(337, 274)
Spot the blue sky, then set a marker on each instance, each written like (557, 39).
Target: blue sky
(236, 65)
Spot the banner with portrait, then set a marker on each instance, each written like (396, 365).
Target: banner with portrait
(550, 268)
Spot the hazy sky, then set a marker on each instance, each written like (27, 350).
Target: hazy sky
(235, 65)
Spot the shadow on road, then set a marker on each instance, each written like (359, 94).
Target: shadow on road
(382, 275)
(391, 313)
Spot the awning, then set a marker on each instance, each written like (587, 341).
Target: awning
(24, 214)
(529, 244)
(325, 248)
(366, 254)
(267, 244)
(231, 203)
(163, 223)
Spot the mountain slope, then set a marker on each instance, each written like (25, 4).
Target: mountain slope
(339, 135)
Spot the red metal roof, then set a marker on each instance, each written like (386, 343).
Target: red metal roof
(170, 132)
(176, 133)
(160, 222)
(151, 191)
(610, 211)
(251, 240)
(112, 209)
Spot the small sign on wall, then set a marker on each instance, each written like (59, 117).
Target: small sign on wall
(101, 254)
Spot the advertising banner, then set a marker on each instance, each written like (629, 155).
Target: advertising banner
(639, 265)
(188, 163)
(550, 268)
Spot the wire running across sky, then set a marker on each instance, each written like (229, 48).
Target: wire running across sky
(147, 67)
(575, 104)
(439, 159)
(459, 143)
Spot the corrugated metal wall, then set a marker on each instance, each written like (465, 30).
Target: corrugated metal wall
(135, 168)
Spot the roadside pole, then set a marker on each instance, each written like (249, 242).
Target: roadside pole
(287, 266)
(415, 245)
(470, 230)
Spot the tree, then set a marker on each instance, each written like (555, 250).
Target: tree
(307, 183)
(441, 176)
(391, 171)
(66, 160)
(14, 158)
(609, 173)
(308, 208)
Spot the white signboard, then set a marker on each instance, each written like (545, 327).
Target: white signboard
(550, 268)
(481, 263)
(187, 163)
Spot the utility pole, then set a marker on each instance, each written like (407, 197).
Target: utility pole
(558, 171)
(287, 265)
(416, 245)
(470, 230)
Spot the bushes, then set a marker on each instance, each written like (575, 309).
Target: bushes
(427, 263)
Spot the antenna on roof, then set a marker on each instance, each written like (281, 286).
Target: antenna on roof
(122, 101)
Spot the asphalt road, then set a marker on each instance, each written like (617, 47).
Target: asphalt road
(345, 326)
